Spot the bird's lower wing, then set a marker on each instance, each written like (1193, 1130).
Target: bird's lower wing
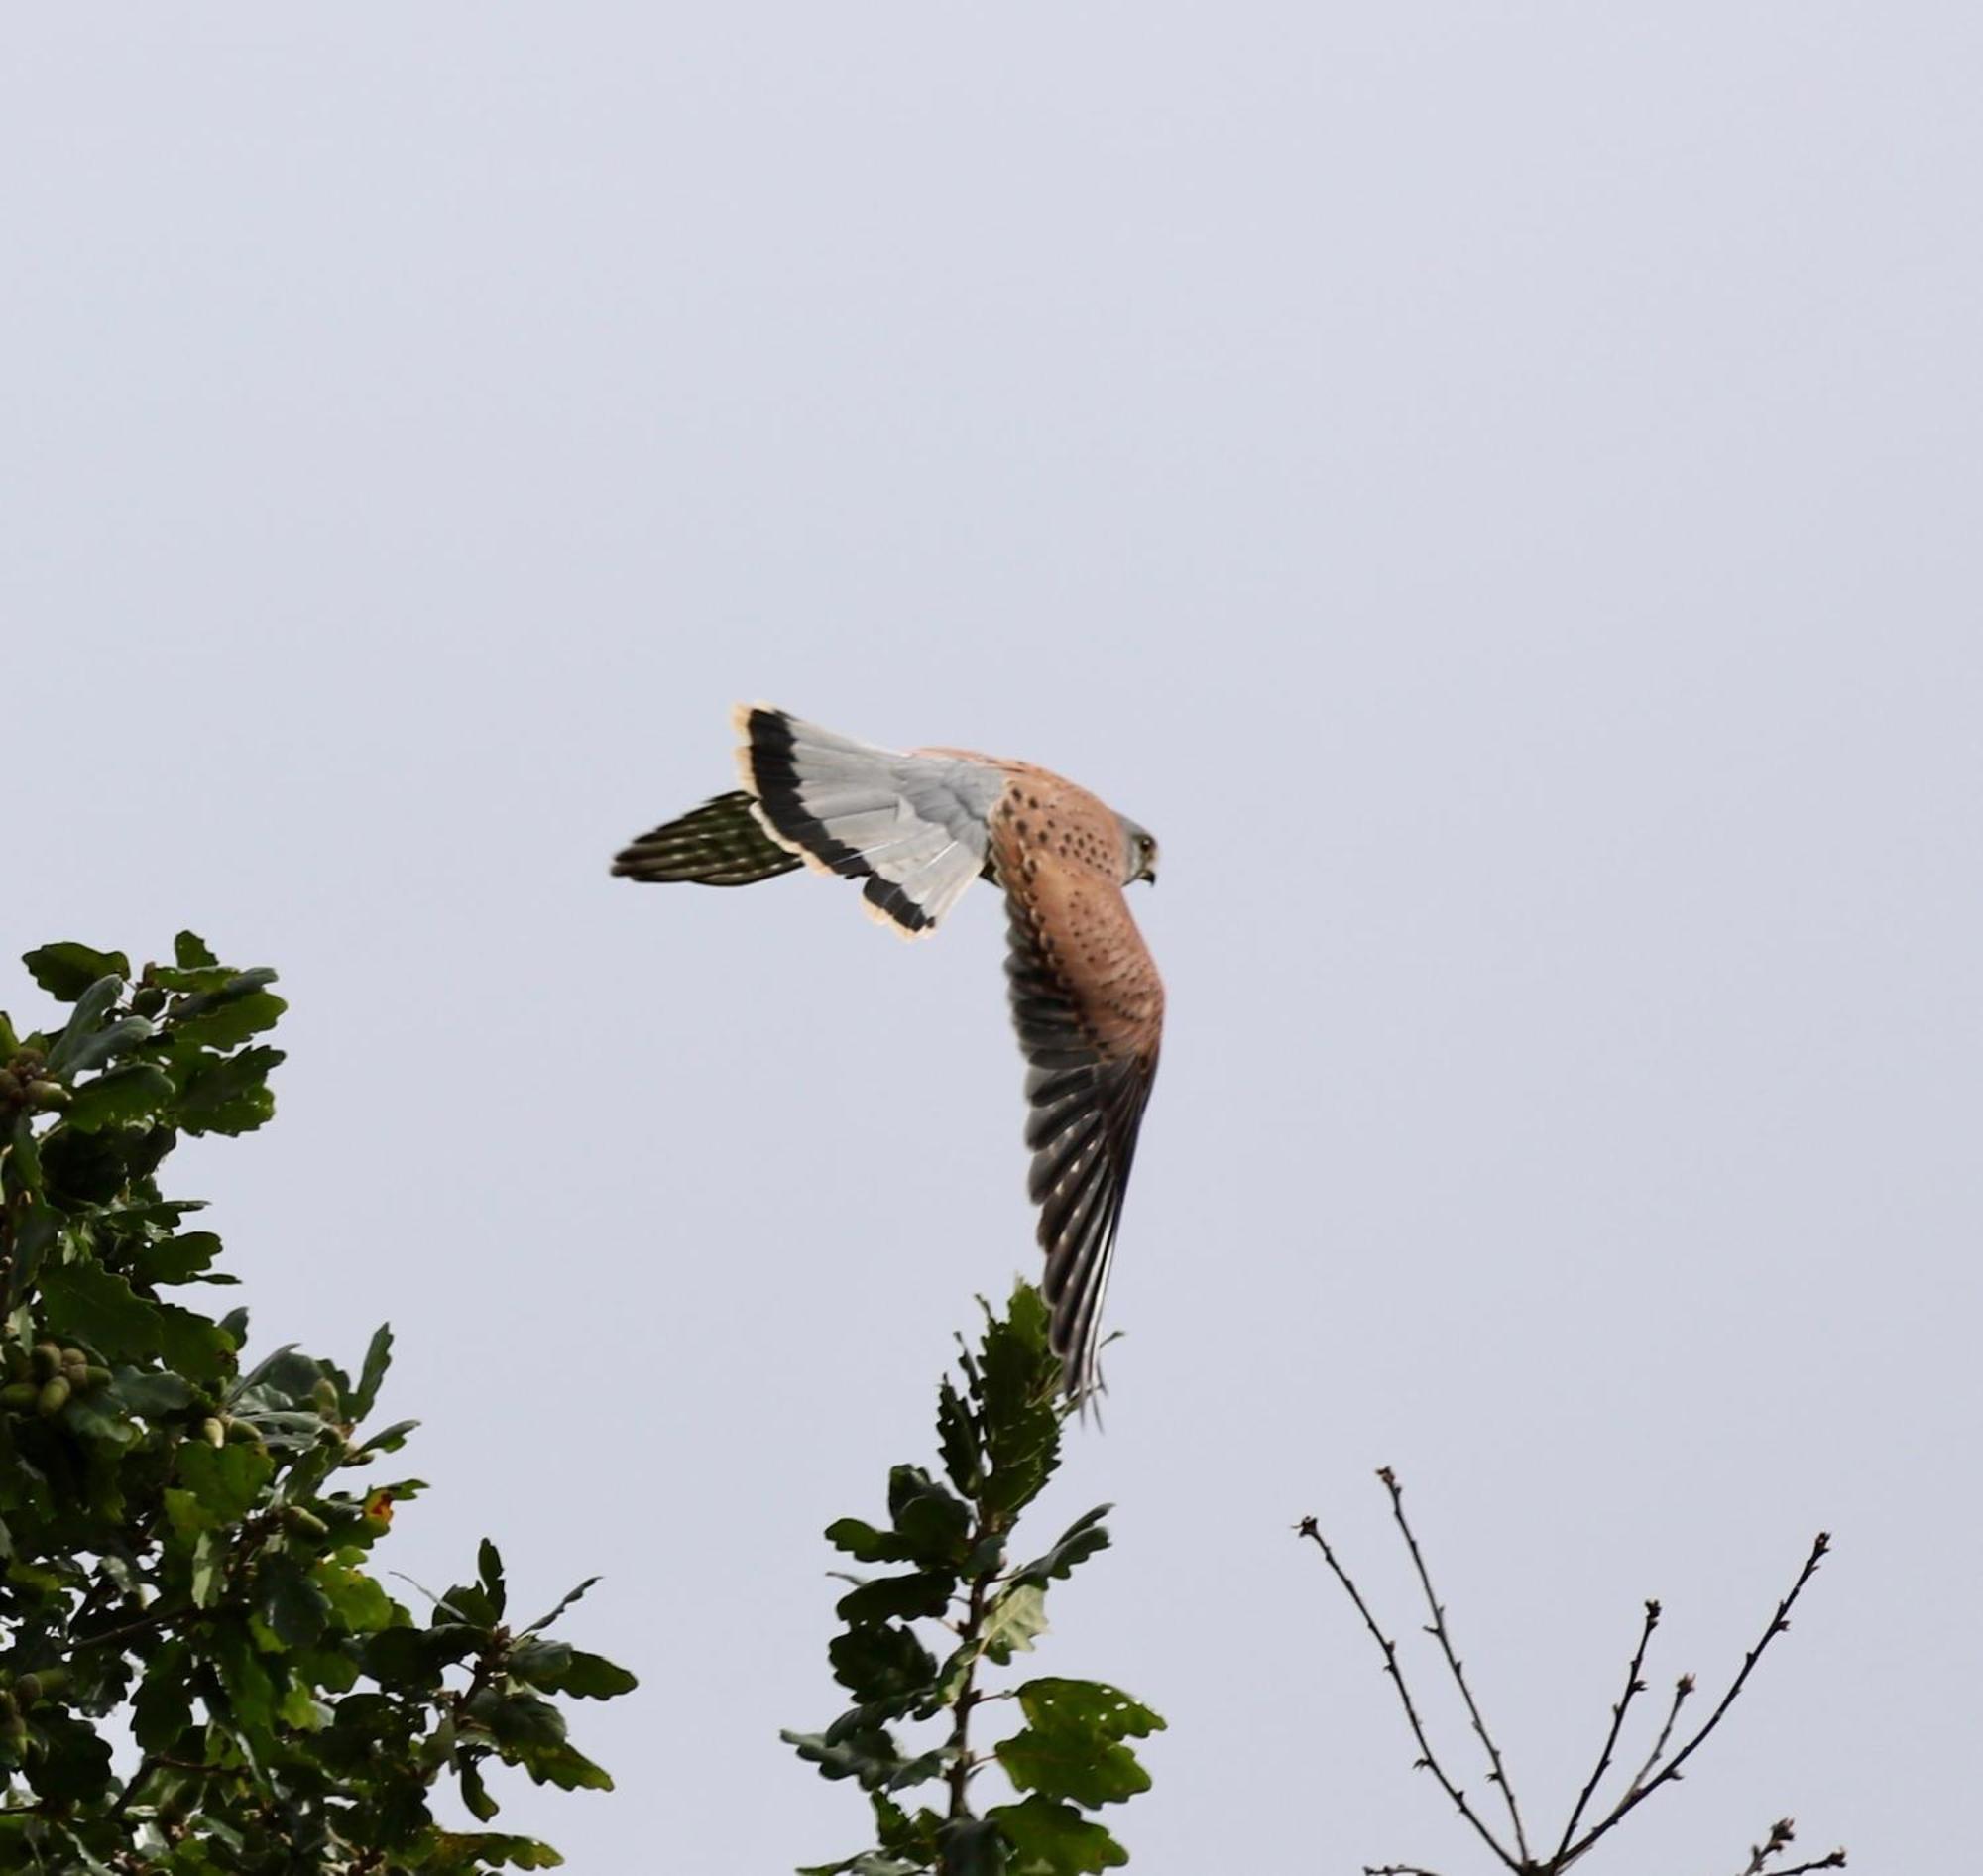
(1087, 1004)
(720, 843)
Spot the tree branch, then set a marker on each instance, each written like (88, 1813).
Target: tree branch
(1778, 1623)
(1683, 1688)
(1308, 1528)
(1633, 1686)
(1498, 1775)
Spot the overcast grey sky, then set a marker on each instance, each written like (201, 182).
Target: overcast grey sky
(1494, 488)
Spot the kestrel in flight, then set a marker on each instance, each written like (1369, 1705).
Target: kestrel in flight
(916, 828)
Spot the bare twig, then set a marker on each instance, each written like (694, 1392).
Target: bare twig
(1633, 1687)
(1308, 1528)
(1657, 1770)
(1778, 1623)
(1682, 1689)
(1782, 1834)
(1498, 1774)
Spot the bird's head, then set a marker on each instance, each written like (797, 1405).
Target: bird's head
(1139, 852)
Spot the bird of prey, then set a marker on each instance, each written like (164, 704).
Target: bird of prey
(916, 827)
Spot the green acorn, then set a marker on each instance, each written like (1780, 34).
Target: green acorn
(94, 1377)
(53, 1398)
(48, 1096)
(148, 1000)
(212, 1432)
(47, 1360)
(10, 1085)
(17, 1396)
(305, 1522)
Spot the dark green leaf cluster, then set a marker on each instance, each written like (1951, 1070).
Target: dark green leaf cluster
(952, 1603)
(184, 1541)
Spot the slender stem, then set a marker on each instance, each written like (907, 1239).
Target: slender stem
(1308, 1528)
(1782, 1834)
(1498, 1775)
(1778, 1623)
(1633, 1687)
(961, 1766)
(1683, 1688)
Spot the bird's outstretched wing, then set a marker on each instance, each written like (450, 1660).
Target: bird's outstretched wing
(1089, 1008)
(720, 843)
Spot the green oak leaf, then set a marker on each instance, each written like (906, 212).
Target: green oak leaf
(89, 1303)
(920, 1593)
(1072, 1748)
(1014, 1619)
(68, 969)
(1079, 1542)
(131, 1092)
(1049, 1839)
(881, 1663)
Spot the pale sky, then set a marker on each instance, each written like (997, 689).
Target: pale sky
(1494, 488)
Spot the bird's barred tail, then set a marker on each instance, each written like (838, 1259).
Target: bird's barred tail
(856, 809)
(720, 843)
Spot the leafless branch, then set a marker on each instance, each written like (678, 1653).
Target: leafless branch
(1778, 1623)
(1498, 1774)
(1782, 1834)
(1633, 1687)
(1683, 1690)
(1308, 1528)
(1657, 1770)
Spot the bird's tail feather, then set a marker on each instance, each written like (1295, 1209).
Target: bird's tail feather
(859, 810)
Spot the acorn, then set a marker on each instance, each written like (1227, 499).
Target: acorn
(323, 1396)
(53, 1398)
(243, 1431)
(48, 1096)
(10, 1085)
(305, 1522)
(47, 1360)
(96, 1377)
(212, 1432)
(29, 1059)
(148, 1001)
(17, 1396)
